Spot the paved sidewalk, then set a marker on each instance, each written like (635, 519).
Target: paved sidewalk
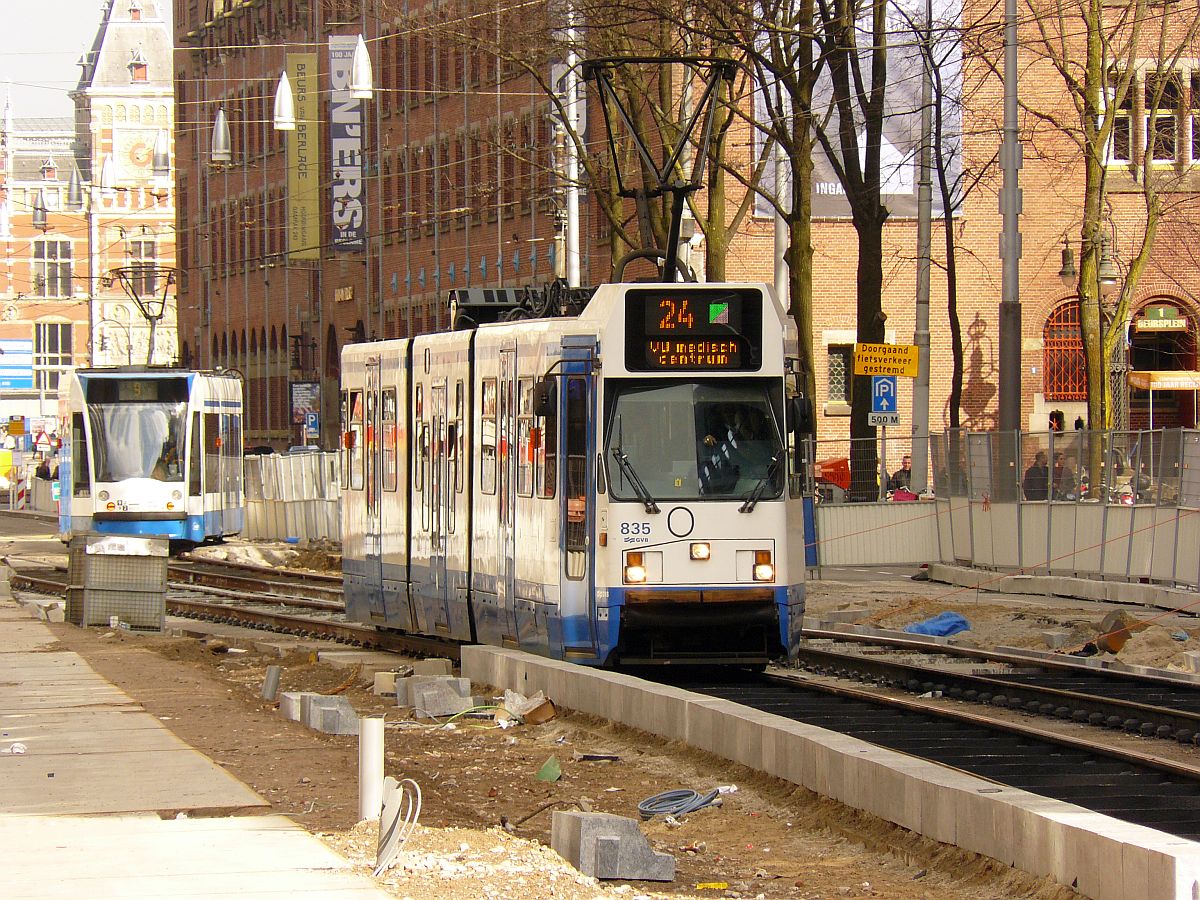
(105, 801)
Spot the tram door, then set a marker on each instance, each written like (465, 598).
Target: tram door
(372, 483)
(439, 500)
(506, 490)
(577, 581)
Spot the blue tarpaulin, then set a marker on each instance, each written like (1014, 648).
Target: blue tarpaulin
(941, 625)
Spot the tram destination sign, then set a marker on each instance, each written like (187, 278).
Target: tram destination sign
(886, 359)
(693, 329)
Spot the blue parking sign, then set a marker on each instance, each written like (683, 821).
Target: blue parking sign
(312, 427)
(883, 393)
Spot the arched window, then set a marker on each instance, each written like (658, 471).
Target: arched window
(1065, 372)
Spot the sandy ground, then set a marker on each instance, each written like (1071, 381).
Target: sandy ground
(1005, 620)
(769, 839)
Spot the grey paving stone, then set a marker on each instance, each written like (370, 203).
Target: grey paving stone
(433, 667)
(606, 846)
(291, 704)
(440, 698)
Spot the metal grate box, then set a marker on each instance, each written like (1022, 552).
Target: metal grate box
(117, 576)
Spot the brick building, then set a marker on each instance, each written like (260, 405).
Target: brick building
(446, 178)
(78, 199)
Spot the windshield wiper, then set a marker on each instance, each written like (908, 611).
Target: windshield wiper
(639, 486)
(759, 489)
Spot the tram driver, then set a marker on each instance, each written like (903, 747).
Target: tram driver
(740, 449)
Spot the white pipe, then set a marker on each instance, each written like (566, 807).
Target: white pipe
(370, 767)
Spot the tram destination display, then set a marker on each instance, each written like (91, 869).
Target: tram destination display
(694, 328)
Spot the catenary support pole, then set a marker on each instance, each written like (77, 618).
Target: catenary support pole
(920, 413)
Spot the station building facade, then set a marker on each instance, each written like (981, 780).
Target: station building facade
(359, 223)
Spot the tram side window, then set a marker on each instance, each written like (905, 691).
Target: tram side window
(344, 455)
(212, 453)
(233, 452)
(354, 453)
(487, 436)
(195, 457)
(548, 452)
(457, 438)
(389, 440)
(576, 485)
(370, 460)
(422, 441)
(525, 437)
(81, 474)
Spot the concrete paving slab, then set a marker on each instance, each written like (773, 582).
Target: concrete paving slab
(105, 783)
(144, 856)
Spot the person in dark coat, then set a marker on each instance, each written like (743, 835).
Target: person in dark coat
(902, 477)
(1036, 483)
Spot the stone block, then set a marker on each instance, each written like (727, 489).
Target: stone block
(330, 714)
(385, 684)
(338, 718)
(405, 687)
(440, 697)
(433, 667)
(1055, 639)
(605, 846)
(291, 704)
(843, 616)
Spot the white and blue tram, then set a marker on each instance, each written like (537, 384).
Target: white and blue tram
(611, 488)
(151, 451)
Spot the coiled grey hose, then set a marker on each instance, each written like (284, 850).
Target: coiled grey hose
(675, 803)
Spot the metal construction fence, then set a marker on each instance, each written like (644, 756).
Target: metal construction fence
(1117, 505)
(293, 496)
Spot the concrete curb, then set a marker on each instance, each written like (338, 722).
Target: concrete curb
(1125, 592)
(1099, 856)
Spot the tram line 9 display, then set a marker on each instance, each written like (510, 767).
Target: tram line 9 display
(690, 330)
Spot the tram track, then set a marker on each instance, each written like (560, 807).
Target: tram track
(1134, 787)
(1067, 689)
(207, 594)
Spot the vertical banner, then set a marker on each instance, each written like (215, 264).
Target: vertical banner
(304, 161)
(346, 144)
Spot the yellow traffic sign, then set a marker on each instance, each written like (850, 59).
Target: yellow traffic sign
(886, 359)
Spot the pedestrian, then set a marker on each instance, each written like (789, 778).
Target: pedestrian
(1036, 483)
(902, 477)
(1063, 477)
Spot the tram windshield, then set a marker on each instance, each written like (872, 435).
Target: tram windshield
(137, 434)
(693, 440)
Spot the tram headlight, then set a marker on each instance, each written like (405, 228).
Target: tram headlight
(700, 550)
(176, 495)
(764, 566)
(103, 495)
(635, 568)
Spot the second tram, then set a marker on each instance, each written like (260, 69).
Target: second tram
(151, 451)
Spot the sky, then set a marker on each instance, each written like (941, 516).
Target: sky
(40, 42)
